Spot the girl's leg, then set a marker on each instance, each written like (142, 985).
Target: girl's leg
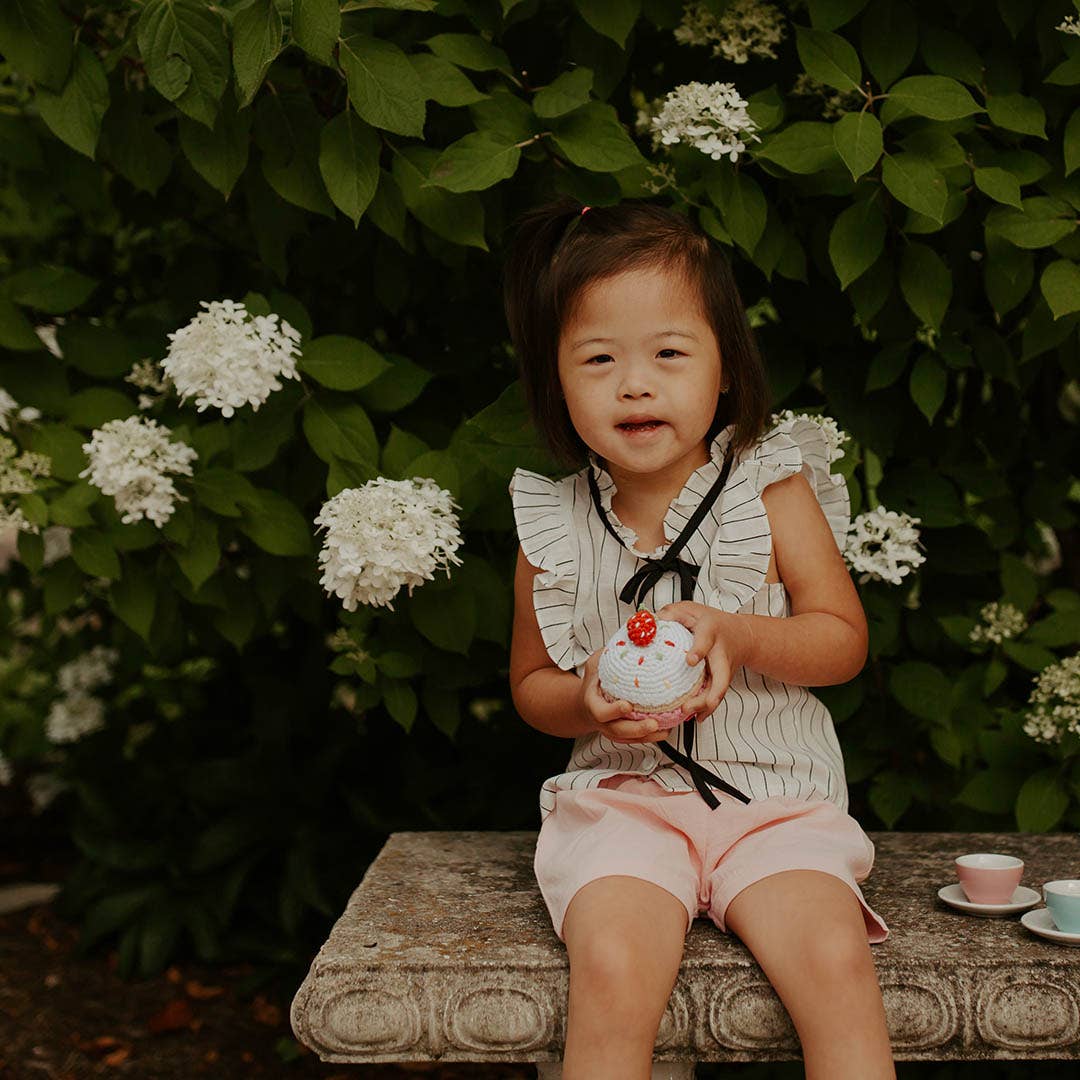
(806, 931)
(625, 938)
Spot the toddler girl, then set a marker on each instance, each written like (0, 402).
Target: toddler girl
(637, 360)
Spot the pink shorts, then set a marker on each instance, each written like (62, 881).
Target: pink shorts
(631, 825)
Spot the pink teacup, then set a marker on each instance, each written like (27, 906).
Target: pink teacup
(987, 878)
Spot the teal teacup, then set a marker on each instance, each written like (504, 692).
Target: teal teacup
(1063, 902)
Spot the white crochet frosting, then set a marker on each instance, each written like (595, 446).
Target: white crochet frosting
(650, 676)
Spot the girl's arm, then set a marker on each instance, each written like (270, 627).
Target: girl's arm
(824, 641)
(546, 697)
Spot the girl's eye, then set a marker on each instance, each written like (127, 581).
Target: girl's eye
(605, 355)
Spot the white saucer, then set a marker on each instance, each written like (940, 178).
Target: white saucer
(1022, 899)
(1040, 922)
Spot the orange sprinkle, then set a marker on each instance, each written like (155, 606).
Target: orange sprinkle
(620, 642)
(641, 659)
(671, 643)
(635, 681)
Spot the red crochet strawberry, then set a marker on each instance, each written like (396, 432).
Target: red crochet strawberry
(641, 627)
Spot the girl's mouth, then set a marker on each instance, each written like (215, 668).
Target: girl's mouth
(641, 430)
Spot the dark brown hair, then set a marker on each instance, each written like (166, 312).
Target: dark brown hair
(556, 252)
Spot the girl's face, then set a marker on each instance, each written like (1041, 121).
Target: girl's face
(656, 357)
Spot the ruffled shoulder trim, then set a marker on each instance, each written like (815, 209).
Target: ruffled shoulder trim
(799, 445)
(543, 515)
(740, 550)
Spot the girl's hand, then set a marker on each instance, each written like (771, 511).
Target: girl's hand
(719, 638)
(609, 716)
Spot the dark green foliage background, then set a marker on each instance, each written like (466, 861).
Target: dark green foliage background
(355, 170)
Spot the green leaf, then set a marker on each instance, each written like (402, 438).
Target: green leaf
(342, 363)
(992, 791)
(1058, 629)
(1060, 284)
(922, 689)
(16, 330)
(74, 113)
(889, 796)
(54, 289)
(63, 445)
(94, 554)
(947, 53)
(829, 14)
(470, 51)
(1015, 112)
(926, 283)
(94, 406)
(805, 146)
(1000, 185)
(458, 218)
(1071, 143)
(563, 94)
(1031, 657)
(745, 212)
(474, 162)
(218, 154)
(856, 240)
(401, 702)
(131, 145)
(133, 598)
(383, 86)
(916, 183)
(829, 58)
(612, 18)
(1042, 221)
(36, 39)
(256, 41)
(446, 616)
(927, 385)
(160, 929)
(593, 137)
(444, 82)
(114, 911)
(275, 524)
(935, 96)
(1042, 802)
(222, 490)
(186, 54)
(288, 130)
(349, 163)
(889, 38)
(858, 141)
(340, 430)
(316, 25)
(199, 557)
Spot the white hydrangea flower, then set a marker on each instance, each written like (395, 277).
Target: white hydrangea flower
(57, 541)
(9, 405)
(383, 535)
(43, 788)
(1050, 561)
(73, 716)
(1069, 26)
(131, 459)
(881, 544)
(88, 671)
(12, 522)
(1000, 621)
(6, 772)
(747, 27)
(1054, 704)
(834, 103)
(228, 358)
(710, 117)
(835, 436)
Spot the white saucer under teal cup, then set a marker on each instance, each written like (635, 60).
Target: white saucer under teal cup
(1063, 902)
(1040, 922)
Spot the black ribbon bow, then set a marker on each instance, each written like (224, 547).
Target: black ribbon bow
(635, 589)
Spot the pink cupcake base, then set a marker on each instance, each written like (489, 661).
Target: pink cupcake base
(670, 718)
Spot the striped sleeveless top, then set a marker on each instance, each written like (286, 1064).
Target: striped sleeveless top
(767, 738)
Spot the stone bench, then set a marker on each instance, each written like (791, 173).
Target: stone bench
(445, 952)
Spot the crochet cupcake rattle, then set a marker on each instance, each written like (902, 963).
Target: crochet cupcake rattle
(644, 663)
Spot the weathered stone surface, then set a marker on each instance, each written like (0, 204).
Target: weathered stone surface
(446, 951)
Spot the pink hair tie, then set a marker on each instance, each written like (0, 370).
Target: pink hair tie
(584, 208)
